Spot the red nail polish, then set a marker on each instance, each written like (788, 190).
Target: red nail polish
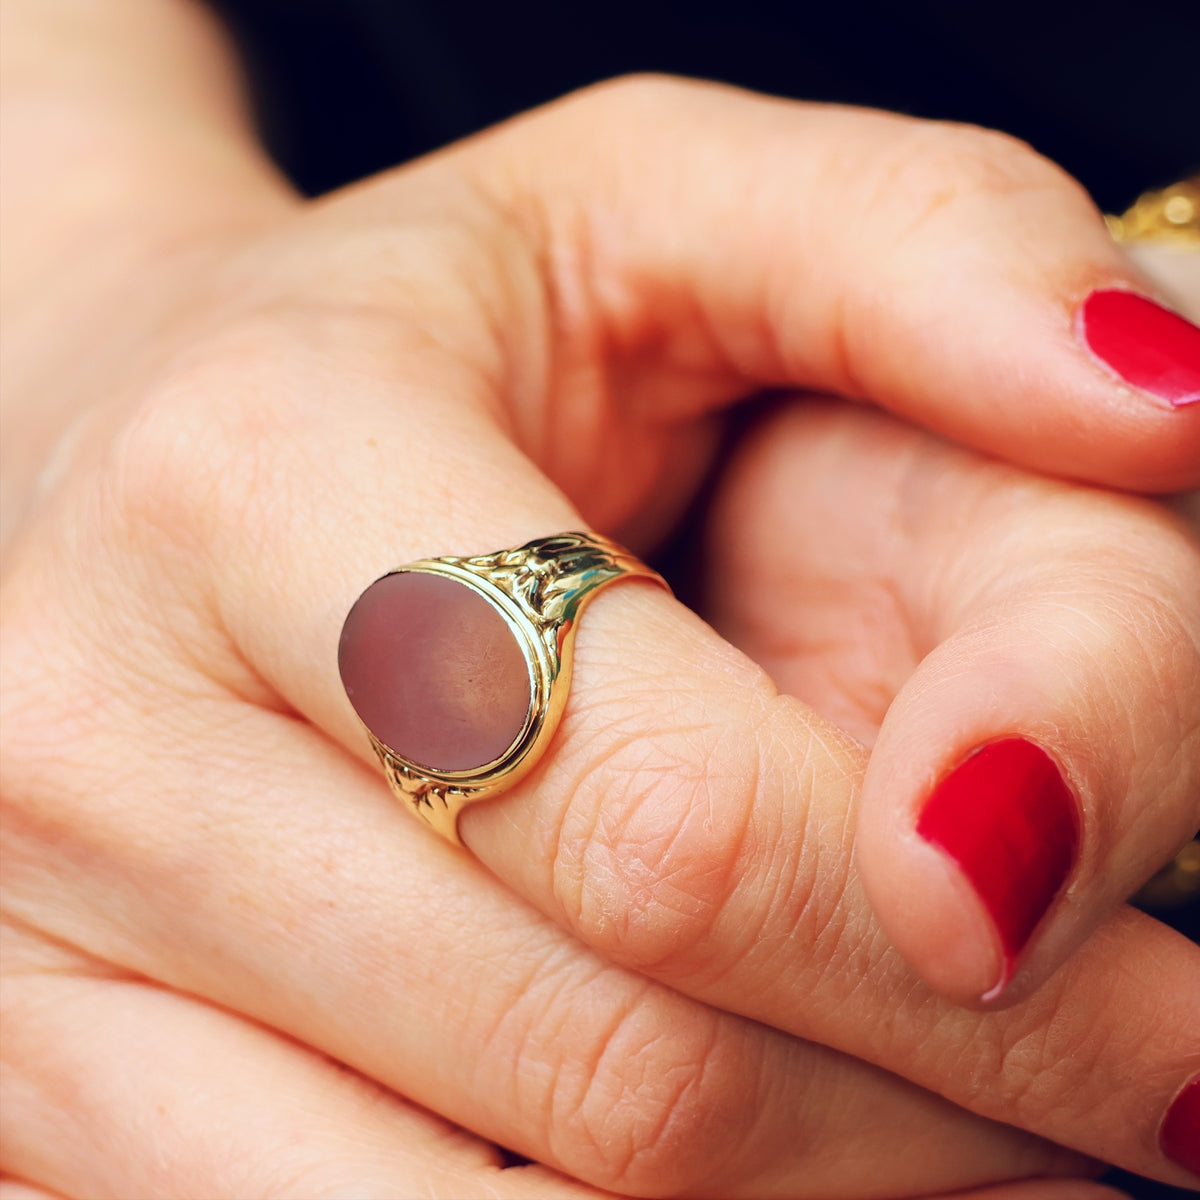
(1145, 344)
(1179, 1136)
(1007, 818)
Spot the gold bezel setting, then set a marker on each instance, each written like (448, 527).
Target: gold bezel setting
(539, 590)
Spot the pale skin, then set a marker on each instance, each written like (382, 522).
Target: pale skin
(677, 956)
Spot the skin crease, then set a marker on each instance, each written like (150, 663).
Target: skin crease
(210, 905)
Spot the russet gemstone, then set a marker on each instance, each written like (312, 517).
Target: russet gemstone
(434, 671)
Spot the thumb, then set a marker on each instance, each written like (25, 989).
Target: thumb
(1031, 688)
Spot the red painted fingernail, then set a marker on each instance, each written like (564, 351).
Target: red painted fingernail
(1179, 1136)
(1007, 818)
(1148, 346)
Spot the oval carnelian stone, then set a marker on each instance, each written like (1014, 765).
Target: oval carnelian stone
(434, 671)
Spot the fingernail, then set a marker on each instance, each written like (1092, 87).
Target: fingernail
(1147, 345)
(1179, 1136)
(1006, 816)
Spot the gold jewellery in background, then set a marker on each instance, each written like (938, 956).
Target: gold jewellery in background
(1170, 215)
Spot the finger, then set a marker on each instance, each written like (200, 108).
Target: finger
(1040, 752)
(704, 840)
(1081, 771)
(298, 895)
(719, 241)
(115, 1088)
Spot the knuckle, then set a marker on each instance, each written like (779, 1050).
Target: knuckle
(646, 860)
(174, 489)
(177, 457)
(212, 444)
(659, 1102)
(940, 168)
(1039, 1066)
(1025, 1065)
(1134, 639)
(629, 99)
(637, 89)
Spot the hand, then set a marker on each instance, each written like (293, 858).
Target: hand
(207, 894)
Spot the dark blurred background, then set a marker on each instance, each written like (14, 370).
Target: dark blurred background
(1109, 90)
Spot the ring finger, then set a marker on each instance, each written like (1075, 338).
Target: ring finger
(298, 894)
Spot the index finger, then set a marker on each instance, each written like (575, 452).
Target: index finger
(945, 272)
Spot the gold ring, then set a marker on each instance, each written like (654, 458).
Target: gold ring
(459, 668)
